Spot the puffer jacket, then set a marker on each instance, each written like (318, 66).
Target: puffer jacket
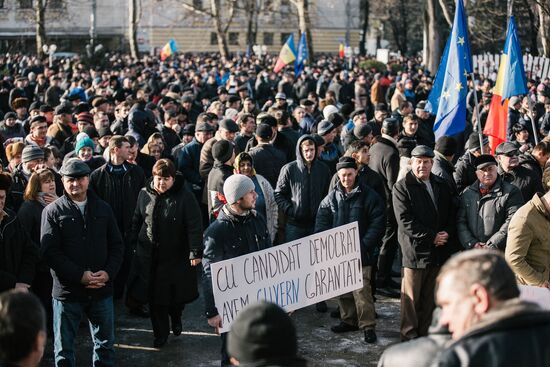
(485, 219)
(300, 189)
(518, 330)
(363, 205)
(229, 236)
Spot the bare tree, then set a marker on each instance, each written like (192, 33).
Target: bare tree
(543, 10)
(215, 12)
(302, 6)
(40, 28)
(433, 37)
(251, 8)
(132, 27)
(364, 10)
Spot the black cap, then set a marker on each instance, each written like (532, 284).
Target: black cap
(204, 126)
(484, 160)
(222, 150)
(361, 131)
(346, 162)
(421, 105)
(46, 108)
(306, 102)
(229, 125)
(446, 146)
(74, 167)
(336, 119)
(233, 98)
(264, 131)
(390, 126)
(506, 148)
(34, 106)
(91, 132)
(10, 115)
(81, 107)
(422, 151)
(318, 140)
(104, 131)
(473, 141)
(324, 127)
(188, 129)
(63, 109)
(187, 99)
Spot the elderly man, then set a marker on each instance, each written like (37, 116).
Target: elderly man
(352, 201)
(511, 171)
(425, 213)
(489, 324)
(528, 244)
(486, 207)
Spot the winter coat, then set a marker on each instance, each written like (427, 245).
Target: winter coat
(514, 334)
(282, 142)
(384, 159)
(171, 139)
(206, 159)
(59, 133)
(18, 186)
(528, 161)
(363, 205)
(300, 189)
(18, 255)
(419, 221)
(465, 171)
(528, 243)
(367, 177)
(268, 162)
(188, 165)
(230, 235)
(486, 219)
(524, 180)
(167, 230)
(444, 169)
(102, 181)
(216, 178)
(73, 243)
(146, 162)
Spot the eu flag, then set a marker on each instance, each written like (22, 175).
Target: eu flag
(451, 82)
(302, 55)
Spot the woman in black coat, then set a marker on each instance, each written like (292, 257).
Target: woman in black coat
(168, 232)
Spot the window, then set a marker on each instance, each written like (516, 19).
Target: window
(284, 37)
(268, 38)
(234, 38)
(197, 4)
(55, 4)
(1, 4)
(213, 38)
(25, 4)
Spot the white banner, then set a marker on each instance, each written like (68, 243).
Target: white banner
(293, 275)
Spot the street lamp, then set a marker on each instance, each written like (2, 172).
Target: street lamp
(49, 50)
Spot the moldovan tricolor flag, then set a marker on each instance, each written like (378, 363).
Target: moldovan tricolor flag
(287, 54)
(341, 52)
(510, 82)
(169, 49)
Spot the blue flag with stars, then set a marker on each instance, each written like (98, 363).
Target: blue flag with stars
(302, 55)
(451, 84)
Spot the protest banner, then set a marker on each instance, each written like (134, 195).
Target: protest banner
(293, 275)
(538, 295)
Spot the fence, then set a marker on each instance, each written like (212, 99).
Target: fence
(535, 67)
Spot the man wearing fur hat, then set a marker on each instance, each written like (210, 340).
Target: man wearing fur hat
(19, 255)
(10, 129)
(20, 106)
(237, 231)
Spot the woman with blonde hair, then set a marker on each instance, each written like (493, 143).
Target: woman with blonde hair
(155, 147)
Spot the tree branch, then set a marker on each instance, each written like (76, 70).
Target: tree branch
(196, 10)
(231, 15)
(543, 5)
(446, 12)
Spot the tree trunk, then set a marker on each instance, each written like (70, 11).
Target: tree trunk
(304, 23)
(425, 36)
(132, 28)
(252, 15)
(365, 26)
(39, 9)
(544, 29)
(434, 40)
(220, 32)
(405, 28)
(534, 48)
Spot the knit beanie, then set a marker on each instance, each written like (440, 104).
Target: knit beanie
(237, 186)
(346, 162)
(84, 142)
(222, 150)
(32, 152)
(262, 332)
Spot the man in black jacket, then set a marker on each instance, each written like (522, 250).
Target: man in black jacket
(480, 303)
(465, 170)
(119, 183)
(83, 247)
(301, 186)
(444, 153)
(425, 213)
(18, 255)
(268, 160)
(237, 231)
(385, 161)
(351, 201)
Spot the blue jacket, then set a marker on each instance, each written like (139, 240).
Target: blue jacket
(72, 244)
(188, 165)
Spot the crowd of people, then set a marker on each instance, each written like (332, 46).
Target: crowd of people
(127, 181)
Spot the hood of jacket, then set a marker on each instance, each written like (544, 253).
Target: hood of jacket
(299, 157)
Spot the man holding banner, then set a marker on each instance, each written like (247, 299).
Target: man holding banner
(350, 202)
(238, 230)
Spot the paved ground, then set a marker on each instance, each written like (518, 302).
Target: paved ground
(199, 346)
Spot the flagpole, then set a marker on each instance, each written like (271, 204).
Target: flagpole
(476, 111)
